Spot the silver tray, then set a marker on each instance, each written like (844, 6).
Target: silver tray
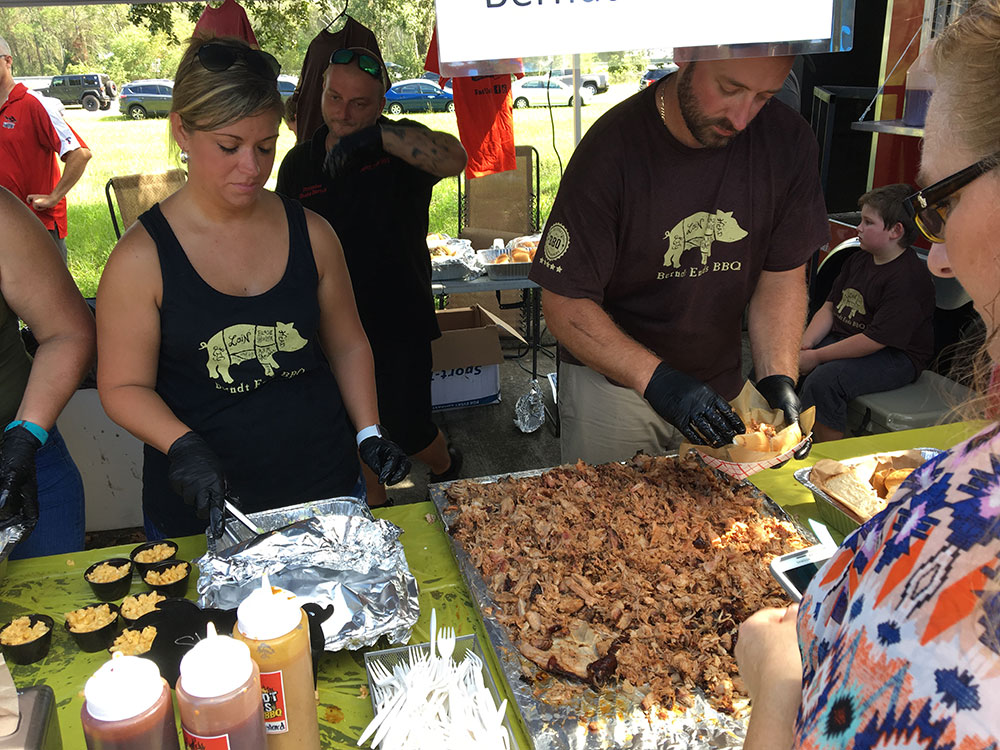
(830, 510)
(556, 728)
(390, 656)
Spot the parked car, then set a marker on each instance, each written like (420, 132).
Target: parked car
(146, 98)
(435, 78)
(597, 83)
(417, 95)
(286, 85)
(538, 91)
(91, 90)
(654, 74)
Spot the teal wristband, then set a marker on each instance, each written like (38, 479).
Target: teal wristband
(34, 429)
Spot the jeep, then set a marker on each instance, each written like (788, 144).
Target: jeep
(91, 90)
(597, 83)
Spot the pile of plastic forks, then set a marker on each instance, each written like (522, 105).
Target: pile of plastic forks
(430, 701)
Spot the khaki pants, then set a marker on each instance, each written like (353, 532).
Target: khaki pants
(602, 422)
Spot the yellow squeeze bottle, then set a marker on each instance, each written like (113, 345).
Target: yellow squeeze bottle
(276, 629)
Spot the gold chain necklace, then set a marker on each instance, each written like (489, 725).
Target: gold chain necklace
(660, 104)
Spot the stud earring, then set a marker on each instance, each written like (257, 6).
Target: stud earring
(184, 157)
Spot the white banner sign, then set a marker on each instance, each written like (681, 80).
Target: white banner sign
(499, 29)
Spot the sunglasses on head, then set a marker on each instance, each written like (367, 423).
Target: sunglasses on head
(930, 207)
(366, 62)
(219, 57)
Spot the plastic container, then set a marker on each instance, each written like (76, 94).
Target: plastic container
(178, 588)
(108, 591)
(218, 696)
(142, 567)
(31, 651)
(919, 87)
(127, 706)
(276, 629)
(100, 639)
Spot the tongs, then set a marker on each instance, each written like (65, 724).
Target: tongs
(230, 509)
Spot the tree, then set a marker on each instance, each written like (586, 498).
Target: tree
(277, 24)
(285, 27)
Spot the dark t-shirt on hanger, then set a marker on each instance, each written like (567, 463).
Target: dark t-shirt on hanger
(309, 113)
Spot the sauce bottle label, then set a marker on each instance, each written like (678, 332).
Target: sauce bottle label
(272, 689)
(197, 742)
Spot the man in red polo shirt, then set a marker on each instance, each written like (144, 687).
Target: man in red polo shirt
(32, 136)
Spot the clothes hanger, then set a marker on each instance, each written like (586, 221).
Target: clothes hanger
(337, 17)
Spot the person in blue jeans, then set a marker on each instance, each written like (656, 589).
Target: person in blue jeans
(875, 332)
(40, 486)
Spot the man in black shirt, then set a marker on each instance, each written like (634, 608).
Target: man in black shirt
(372, 179)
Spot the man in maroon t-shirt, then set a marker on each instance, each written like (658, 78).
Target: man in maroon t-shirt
(32, 136)
(683, 205)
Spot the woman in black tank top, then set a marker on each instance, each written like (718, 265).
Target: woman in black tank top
(229, 341)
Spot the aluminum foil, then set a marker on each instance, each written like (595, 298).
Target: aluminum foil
(613, 717)
(529, 411)
(331, 552)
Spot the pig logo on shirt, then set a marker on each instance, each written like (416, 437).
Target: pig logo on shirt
(853, 301)
(700, 230)
(237, 344)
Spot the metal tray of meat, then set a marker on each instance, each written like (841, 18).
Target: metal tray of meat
(621, 723)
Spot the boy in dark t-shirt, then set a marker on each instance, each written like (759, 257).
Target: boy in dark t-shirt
(875, 331)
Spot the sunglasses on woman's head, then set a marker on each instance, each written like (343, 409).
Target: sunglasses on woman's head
(929, 207)
(366, 62)
(219, 57)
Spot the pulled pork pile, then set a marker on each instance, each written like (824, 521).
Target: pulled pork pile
(640, 572)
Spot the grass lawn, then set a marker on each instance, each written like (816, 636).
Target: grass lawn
(123, 146)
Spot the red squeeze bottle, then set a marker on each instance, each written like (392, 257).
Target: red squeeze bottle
(127, 706)
(218, 694)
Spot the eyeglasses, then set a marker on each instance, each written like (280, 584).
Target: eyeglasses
(219, 57)
(366, 62)
(929, 207)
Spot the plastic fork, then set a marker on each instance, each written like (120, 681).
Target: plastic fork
(381, 675)
(446, 643)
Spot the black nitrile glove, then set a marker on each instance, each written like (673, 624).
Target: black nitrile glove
(196, 474)
(18, 485)
(350, 147)
(701, 414)
(385, 458)
(779, 391)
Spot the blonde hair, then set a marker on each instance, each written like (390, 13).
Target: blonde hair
(207, 100)
(967, 67)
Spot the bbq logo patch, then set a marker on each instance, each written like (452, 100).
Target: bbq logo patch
(851, 299)
(701, 230)
(240, 343)
(556, 243)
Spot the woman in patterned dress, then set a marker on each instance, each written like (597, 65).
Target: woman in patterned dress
(896, 643)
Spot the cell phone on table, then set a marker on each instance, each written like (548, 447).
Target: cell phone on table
(795, 570)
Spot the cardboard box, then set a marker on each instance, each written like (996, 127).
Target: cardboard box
(467, 357)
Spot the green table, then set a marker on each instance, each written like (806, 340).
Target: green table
(54, 585)
(789, 493)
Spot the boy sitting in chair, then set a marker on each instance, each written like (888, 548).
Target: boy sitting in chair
(875, 332)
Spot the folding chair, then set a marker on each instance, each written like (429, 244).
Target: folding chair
(503, 205)
(136, 194)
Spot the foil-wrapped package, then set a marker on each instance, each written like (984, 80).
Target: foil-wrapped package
(529, 411)
(331, 552)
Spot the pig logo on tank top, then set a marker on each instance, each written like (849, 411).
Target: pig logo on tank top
(234, 345)
(700, 230)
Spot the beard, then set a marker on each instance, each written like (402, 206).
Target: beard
(700, 125)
